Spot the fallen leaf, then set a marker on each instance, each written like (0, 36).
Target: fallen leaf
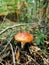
(17, 55)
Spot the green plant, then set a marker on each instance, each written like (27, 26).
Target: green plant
(39, 37)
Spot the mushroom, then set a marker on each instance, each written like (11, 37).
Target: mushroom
(23, 37)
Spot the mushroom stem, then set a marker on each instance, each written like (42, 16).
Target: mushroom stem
(22, 45)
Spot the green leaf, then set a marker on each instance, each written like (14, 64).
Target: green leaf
(37, 41)
(38, 33)
(42, 40)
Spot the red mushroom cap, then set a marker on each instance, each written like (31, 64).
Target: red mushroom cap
(23, 37)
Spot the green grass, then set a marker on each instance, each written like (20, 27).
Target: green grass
(13, 30)
(3, 26)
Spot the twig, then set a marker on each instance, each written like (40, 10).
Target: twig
(32, 59)
(5, 55)
(16, 25)
(11, 27)
(5, 46)
(42, 57)
(13, 55)
(4, 49)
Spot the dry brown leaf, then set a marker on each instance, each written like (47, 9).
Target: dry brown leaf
(17, 55)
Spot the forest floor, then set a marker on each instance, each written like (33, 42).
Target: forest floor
(10, 51)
